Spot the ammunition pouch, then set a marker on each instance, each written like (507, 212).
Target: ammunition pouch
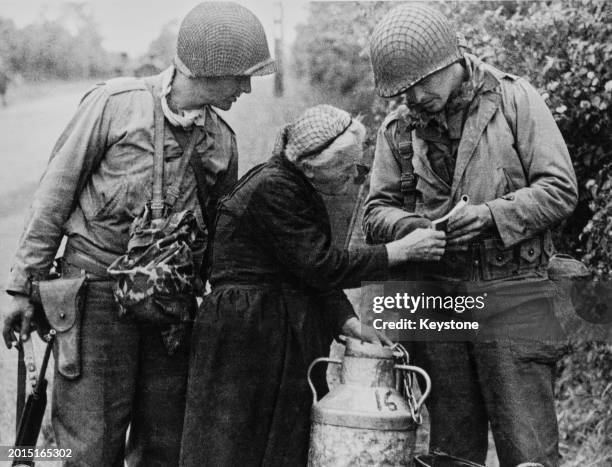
(487, 260)
(525, 258)
(62, 301)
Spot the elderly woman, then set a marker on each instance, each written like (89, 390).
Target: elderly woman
(277, 299)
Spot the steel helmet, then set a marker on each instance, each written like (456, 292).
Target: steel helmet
(410, 43)
(222, 39)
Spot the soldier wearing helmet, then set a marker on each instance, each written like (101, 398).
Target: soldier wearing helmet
(98, 179)
(468, 128)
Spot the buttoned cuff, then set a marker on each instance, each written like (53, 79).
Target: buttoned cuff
(18, 283)
(510, 232)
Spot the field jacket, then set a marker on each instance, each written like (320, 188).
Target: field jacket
(99, 177)
(511, 157)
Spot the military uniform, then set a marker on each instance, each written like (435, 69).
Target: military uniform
(97, 180)
(498, 144)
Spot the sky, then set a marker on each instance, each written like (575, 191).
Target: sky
(130, 25)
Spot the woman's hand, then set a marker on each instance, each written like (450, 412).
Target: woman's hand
(352, 327)
(420, 245)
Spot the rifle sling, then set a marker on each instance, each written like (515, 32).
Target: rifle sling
(21, 385)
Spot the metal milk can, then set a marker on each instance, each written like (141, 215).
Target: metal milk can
(366, 420)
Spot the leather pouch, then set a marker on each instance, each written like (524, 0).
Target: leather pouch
(564, 267)
(61, 300)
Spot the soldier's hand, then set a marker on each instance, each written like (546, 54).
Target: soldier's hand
(420, 245)
(468, 222)
(408, 225)
(354, 328)
(18, 319)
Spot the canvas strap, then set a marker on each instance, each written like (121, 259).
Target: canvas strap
(157, 199)
(21, 382)
(400, 142)
(159, 202)
(184, 139)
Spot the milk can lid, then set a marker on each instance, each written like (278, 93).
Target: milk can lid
(357, 348)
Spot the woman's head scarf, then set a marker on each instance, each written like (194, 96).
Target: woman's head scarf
(312, 132)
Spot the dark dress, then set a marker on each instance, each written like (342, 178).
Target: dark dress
(277, 302)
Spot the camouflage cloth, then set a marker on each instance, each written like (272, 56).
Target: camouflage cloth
(156, 280)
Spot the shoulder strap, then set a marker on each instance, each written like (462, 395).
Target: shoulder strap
(158, 202)
(157, 199)
(400, 142)
(199, 173)
(174, 191)
(185, 140)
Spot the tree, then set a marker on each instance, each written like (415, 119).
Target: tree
(66, 47)
(161, 50)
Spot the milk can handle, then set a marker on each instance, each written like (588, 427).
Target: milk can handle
(312, 365)
(425, 376)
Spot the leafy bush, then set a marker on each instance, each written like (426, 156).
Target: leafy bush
(584, 405)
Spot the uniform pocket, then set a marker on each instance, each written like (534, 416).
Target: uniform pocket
(511, 186)
(499, 263)
(112, 199)
(544, 352)
(536, 334)
(531, 257)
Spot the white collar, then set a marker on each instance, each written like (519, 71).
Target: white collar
(184, 118)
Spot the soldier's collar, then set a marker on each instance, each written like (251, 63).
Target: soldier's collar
(183, 118)
(476, 82)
